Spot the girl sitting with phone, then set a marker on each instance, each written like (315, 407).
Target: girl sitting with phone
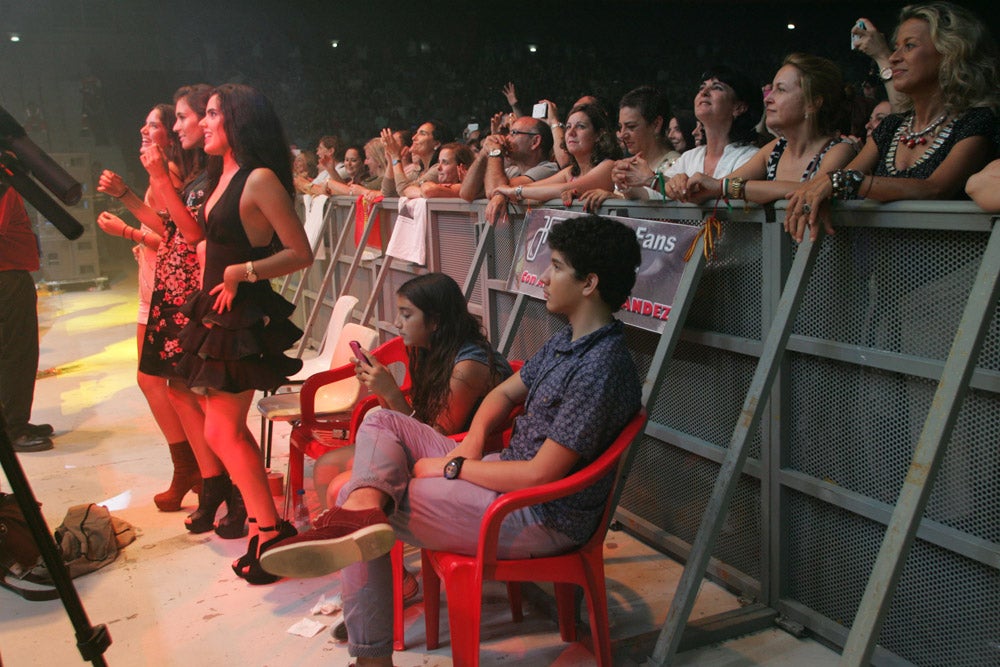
(452, 364)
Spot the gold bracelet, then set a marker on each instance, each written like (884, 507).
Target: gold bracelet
(737, 187)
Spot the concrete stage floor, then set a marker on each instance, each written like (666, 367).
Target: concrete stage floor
(171, 598)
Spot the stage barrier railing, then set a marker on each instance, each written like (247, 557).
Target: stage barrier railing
(847, 392)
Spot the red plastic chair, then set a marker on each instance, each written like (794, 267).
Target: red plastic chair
(313, 436)
(464, 575)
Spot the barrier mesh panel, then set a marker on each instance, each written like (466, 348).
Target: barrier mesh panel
(537, 326)
(894, 290)
(837, 408)
(505, 238)
(728, 295)
(703, 394)
(456, 233)
(946, 610)
(669, 488)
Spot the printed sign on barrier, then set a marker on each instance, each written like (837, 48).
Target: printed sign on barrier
(663, 246)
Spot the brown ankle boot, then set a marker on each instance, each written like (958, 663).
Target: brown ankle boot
(186, 478)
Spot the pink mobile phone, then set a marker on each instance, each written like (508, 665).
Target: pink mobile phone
(358, 354)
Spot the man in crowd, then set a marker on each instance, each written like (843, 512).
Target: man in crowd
(521, 157)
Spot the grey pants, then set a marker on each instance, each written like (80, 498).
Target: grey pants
(432, 512)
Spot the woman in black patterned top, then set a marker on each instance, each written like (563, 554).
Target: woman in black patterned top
(945, 62)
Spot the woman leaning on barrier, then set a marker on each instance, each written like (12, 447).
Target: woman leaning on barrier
(805, 109)
(984, 187)
(945, 62)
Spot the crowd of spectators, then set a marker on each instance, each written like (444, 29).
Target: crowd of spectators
(456, 70)
(937, 71)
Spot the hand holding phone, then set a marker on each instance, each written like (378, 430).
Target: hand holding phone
(855, 37)
(358, 354)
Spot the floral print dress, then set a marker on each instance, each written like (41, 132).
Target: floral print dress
(177, 277)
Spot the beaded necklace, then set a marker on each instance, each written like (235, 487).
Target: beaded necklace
(890, 155)
(911, 138)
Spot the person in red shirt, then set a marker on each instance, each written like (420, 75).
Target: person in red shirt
(19, 325)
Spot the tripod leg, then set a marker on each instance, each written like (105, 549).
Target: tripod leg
(90, 640)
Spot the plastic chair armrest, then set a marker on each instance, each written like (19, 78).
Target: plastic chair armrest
(308, 395)
(607, 462)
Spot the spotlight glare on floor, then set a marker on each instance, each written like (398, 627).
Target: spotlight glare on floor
(119, 502)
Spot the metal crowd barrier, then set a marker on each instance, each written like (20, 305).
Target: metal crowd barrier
(814, 400)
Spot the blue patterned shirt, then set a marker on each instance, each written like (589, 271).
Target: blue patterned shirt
(581, 394)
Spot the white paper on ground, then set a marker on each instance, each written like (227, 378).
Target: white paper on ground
(306, 628)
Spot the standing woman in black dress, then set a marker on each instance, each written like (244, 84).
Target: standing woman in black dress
(178, 276)
(239, 327)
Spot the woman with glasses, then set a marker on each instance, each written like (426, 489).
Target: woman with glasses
(593, 150)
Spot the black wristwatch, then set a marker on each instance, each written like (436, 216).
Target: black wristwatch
(496, 152)
(453, 468)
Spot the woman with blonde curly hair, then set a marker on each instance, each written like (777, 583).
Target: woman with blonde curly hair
(945, 63)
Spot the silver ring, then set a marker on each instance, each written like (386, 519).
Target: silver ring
(806, 208)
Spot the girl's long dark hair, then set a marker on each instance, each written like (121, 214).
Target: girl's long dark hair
(193, 161)
(443, 305)
(174, 152)
(254, 133)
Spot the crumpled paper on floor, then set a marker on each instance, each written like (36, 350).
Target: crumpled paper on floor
(328, 606)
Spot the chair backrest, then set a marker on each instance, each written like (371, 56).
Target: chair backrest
(607, 462)
(339, 316)
(366, 337)
(393, 354)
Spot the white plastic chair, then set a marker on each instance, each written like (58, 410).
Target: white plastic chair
(324, 360)
(333, 398)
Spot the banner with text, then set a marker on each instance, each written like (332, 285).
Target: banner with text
(663, 246)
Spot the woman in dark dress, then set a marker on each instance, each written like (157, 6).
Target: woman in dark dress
(945, 62)
(238, 329)
(178, 276)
